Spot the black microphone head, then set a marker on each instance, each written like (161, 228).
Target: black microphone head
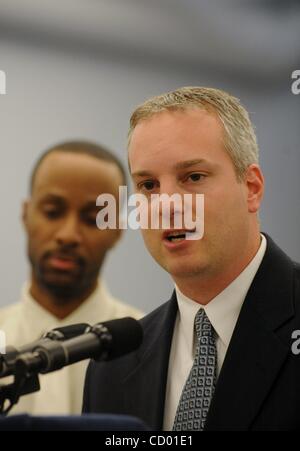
(126, 336)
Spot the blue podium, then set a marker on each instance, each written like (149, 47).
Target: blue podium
(87, 422)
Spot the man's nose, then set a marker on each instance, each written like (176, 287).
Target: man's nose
(170, 187)
(69, 232)
(173, 208)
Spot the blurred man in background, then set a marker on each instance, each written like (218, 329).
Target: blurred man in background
(66, 251)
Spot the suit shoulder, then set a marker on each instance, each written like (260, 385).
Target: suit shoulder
(108, 377)
(152, 317)
(297, 268)
(123, 364)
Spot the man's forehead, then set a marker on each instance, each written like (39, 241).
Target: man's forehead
(60, 197)
(69, 171)
(177, 156)
(177, 127)
(57, 161)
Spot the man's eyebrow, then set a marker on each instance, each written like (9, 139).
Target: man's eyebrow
(188, 163)
(141, 174)
(181, 165)
(52, 198)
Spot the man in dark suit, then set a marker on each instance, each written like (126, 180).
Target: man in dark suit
(218, 355)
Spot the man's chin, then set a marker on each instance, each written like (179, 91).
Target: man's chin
(184, 270)
(63, 292)
(66, 286)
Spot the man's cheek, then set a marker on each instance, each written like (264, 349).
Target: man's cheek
(148, 238)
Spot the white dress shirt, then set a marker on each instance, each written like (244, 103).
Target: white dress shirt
(223, 312)
(61, 391)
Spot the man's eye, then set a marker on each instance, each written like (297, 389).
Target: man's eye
(90, 221)
(195, 177)
(148, 185)
(52, 213)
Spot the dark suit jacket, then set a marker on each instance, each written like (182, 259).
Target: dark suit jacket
(259, 384)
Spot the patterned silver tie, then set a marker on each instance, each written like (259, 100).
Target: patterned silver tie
(199, 388)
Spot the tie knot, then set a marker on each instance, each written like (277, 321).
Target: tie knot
(203, 326)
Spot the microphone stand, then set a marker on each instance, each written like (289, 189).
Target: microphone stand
(24, 384)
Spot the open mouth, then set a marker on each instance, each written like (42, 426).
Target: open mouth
(174, 236)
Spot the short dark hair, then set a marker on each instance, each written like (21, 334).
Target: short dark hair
(80, 147)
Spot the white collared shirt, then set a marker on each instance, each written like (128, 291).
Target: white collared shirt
(223, 312)
(61, 391)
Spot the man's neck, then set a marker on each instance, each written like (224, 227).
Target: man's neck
(203, 288)
(60, 308)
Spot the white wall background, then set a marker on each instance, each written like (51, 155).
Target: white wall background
(77, 70)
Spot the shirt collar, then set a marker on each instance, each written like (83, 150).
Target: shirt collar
(222, 311)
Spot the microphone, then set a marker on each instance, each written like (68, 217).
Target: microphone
(66, 332)
(104, 341)
(8, 360)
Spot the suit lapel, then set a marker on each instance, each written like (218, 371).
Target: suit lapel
(149, 377)
(255, 354)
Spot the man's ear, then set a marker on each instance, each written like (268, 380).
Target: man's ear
(25, 208)
(255, 187)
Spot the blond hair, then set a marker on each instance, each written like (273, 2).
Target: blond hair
(239, 136)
